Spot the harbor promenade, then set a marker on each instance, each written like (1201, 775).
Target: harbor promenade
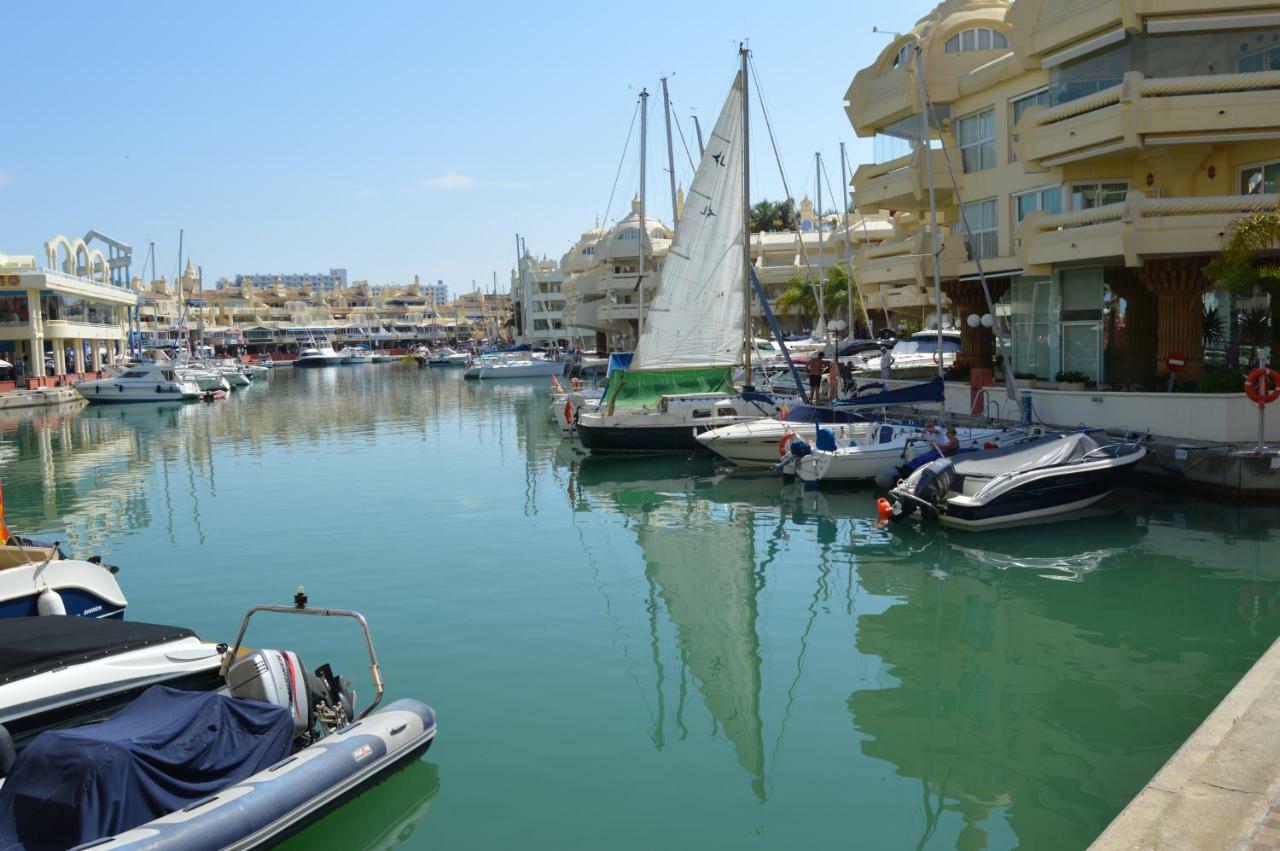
(1222, 787)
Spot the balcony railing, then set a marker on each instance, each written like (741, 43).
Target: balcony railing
(1136, 228)
(1141, 110)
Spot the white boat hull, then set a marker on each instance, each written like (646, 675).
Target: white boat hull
(756, 444)
(530, 369)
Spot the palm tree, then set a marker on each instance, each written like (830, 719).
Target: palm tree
(773, 216)
(799, 296)
(1249, 259)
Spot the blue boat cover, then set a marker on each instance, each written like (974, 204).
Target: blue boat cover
(926, 391)
(164, 751)
(619, 360)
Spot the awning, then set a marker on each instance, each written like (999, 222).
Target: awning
(1004, 273)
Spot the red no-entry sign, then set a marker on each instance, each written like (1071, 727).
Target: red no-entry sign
(1175, 361)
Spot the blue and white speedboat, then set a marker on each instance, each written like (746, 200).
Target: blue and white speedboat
(36, 580)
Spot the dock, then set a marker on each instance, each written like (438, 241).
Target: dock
(1222, 787)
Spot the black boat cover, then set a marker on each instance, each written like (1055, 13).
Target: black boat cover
(166, 750)
(30, 646)
(1049, 451)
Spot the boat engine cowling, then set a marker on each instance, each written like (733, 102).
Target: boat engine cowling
(933, 481)
(278, 677)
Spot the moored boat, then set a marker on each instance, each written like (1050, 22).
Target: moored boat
(144, 382)
(1035, 481)
(317, 354)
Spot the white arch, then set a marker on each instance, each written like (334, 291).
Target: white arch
(79, 249)
(51, 252)
(98, 268)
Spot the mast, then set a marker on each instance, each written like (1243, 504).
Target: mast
(848, 244)
(822, 284)
(182, 315)
(933, 196)
(746, 222)
(697, 126)
(671, 154)
(524, 305)
(644, 129)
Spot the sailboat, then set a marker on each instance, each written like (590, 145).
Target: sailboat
(680, 382)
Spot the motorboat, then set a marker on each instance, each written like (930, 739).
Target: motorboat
(383, 357)
(446, 357)
(514, 366)
(761, 444)
(207, 380)
(60, 670)
(1033, 481)
(271, 748)
(917, 355)
(355, 355)
(233, 374)
(886, 446)
(35, 579)
(256, 370)
(144, 382)
(317, 355)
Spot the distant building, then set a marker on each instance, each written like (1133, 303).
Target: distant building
(335, 280)
(437, 292)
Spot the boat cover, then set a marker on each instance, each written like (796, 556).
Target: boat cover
(820, 414)
(30, 646)
(618, 360)
(926, 391)
(165, 751)
(1049, 451)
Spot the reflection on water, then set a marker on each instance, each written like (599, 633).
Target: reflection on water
(617, 638)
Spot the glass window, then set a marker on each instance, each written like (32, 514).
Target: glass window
(1260, 179)
(1086, 196)
(900, 58)
(1082, 348)
(1032, 315)
(966, 41)
(978, 38)
(983, 239)
(977, 137)
(1018, 107)
(1091, 74)
(1048, 199)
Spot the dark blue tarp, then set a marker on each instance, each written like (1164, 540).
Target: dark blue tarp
(165, 750)
(620, 360)
(927, 391)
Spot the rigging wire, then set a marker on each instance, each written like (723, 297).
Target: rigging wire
(866, 240)
(680, 130)
(621, 160)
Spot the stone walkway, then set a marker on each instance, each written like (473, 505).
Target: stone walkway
(1222, 788)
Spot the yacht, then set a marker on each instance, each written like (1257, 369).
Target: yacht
(446, 357)
(144, 382)
(317, 354)
(696, 332)
(354, 355)
(761, 444)
(1034, 481)
(243, 747)
(917, 355)
(514, 366)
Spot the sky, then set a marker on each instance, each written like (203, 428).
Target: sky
(394, 138)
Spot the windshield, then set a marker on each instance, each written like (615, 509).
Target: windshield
(135, 373)
(926, 345)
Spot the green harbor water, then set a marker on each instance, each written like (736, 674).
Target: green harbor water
(648, 653)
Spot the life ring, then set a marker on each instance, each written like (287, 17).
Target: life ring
(785, 444)
(568, 414)
(1262, 386)
(575, 383)
(935, 358)
(1256, 602)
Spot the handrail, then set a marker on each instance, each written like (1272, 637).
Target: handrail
(1072, 108)
(1080, 218)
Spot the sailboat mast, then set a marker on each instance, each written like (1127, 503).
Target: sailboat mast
(644, 130)
(822, 284)
(697, 126)
(182, 298)
(671, 153)
(747, 341)
(523, 306)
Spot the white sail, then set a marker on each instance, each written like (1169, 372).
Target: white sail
(696, 316)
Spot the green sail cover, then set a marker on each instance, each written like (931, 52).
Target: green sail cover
(635, 389)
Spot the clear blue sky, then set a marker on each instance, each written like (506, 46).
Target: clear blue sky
(392, 138)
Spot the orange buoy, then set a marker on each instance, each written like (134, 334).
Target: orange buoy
(1263, 386)
(884, 508)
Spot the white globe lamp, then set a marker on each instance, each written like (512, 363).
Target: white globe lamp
(973, 320)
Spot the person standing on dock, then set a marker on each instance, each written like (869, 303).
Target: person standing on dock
(816, 366)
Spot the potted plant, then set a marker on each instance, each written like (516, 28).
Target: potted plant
(1071, 380)
(1027, 380)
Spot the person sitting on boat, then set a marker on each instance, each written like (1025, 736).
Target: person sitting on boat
(951, 445)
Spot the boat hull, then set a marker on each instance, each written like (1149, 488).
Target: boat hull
(755, 445)
(531, 370)
(314, 363)
(1043, 501)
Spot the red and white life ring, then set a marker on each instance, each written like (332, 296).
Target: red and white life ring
(785, 444)
(1262, 386)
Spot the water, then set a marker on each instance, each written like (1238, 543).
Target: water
(646, 653)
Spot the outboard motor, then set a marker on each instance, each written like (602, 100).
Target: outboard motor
(888, 478)
(800, 448)
(933, 481)
(278, 677)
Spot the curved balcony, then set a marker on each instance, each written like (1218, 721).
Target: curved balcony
(1135, 229)
(907, 262)
(1141, 113)
(900, 184)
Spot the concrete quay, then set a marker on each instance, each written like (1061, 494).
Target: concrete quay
(1222, 787)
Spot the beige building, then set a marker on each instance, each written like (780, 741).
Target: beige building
(64, 307)
(1099, 149)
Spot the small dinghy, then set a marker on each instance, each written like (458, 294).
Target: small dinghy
(35, 579)
(1035, 481)
(243, 767)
